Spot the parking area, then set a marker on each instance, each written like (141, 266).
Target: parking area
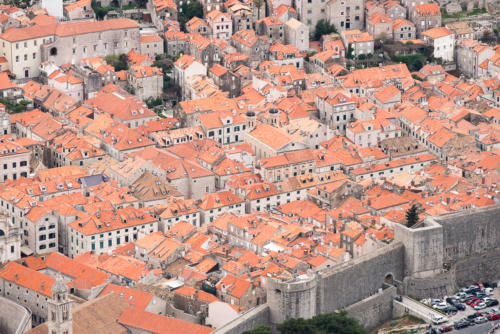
(474, 310)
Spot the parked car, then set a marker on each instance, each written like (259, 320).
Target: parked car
(480, 306)
(433, 331)
(473, 316)
(493, 317)
(480, 320)
(445, 329)
(450, 309)
(473, 290)
(439, 320)
(470, 300)
(491, 302)
(460, 325)
(440, 306)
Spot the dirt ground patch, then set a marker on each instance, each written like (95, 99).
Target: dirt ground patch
(400, 325)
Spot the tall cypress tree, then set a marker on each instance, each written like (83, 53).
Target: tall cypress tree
(412, 216)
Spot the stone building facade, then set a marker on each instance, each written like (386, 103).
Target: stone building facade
(344, 14)
(10, 240)
(76, 40)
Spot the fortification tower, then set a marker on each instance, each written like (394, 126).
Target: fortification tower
(60, 313)
(292, 298)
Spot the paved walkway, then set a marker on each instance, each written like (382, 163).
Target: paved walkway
(425, 312)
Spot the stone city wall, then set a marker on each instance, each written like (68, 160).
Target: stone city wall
(254, 318)
(374, 310)
(14, 319)
(470, 232)
(350, 282)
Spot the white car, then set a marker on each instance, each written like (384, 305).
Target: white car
(440, 306)
(480, 306)
(480, 320)
(437, 320)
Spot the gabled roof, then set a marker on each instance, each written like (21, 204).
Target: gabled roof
(155, 323)
(271, 136)
(437, 32)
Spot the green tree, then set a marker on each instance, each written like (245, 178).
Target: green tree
(259, 330)
(412, 216)
(309, 55)
(297, 326)
(18, 3)
(413, 62)
(350, 51)
(153, 102)
(337, 322)
(323, 27)
(13, 107)
(142, 3)
(189, 10)
(100, 12)
(118, 62)
(487, 37)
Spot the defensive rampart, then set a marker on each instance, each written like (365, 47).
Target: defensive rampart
(14, 319)
(374, 310)
(360, 278)
(428, 260)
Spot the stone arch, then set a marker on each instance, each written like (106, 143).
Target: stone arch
(389, 279)
(53, 51)
(2, 233)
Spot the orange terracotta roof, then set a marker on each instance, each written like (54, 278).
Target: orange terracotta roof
(429, 9)
(86, 27)
(28, 278)
(150, 39)
(190, 292)
(21, 34)
(155, 323)
(133, 297)
(77, 5)
(437, 32)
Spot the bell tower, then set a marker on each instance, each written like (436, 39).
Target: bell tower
(60, 320)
